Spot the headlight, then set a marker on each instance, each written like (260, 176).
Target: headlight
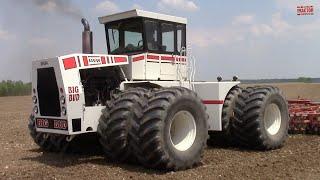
(35, 109)
(34, 100)
(62, 100)
(64, 110)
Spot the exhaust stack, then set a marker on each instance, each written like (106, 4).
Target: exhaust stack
(87, 42)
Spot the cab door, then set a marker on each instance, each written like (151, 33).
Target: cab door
(168, 67)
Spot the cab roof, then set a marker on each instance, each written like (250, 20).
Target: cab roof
(141, 13)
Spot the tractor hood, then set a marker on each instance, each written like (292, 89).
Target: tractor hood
(84, 61)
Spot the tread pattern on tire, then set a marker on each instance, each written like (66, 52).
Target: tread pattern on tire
(227, 118)
(246, 130)
(150, 149)
(118, 122)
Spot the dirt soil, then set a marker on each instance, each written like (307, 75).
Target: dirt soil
(22, 159)
(298, 90)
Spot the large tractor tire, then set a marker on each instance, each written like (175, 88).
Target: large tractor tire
(47, 142)
(173, 130)
(225, 136)
(118, 122)
(261, 118)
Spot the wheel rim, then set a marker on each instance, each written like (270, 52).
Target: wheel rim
(272, 119)
(182, 130)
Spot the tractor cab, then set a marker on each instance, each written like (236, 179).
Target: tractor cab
(155, 44)
(138, 31)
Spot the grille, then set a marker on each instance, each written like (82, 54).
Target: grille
(48, 93)
(76, 125)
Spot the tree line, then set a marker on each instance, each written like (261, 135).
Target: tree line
(14, 88)
(305, 79)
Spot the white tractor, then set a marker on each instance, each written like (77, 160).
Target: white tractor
(142, 101)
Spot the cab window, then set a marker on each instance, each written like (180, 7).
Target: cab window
(181, 38)
(113, 39)
(125, 36)
(167, 36)
(152, 30)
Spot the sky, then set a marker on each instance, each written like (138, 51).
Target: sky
(250, 39)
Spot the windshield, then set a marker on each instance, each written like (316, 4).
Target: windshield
(125, 36)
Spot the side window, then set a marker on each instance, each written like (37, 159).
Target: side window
(152, 35)
(181, 37)
(125, 36)
(133, 41)
(167, 37)
(113, 39)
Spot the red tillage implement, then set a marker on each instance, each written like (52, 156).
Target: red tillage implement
(304, 116)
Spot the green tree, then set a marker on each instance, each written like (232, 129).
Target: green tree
(14, 88)
(304, 79)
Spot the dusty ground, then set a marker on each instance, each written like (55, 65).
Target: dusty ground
(296, 90)
(22, 159)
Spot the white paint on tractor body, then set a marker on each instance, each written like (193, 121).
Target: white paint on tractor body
(68, 79)
(212, 93)
(151, 66)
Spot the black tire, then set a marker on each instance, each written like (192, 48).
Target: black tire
(225, 136)
(155, 148)
(47, 142)
(317, 129)
(251, 108)
(118, 122)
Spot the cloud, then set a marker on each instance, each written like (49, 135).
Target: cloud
(205, 37)
(261, 29)
(137, 6)
(244, 28)
(48, 6)
(308, 30)
(236, 31)
(278, 26)
(183, 5)
(4, 35)
(243, 19)
(39, 41)
(312, 26)
(107, 7)
(59, 6)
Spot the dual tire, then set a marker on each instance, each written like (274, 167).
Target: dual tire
(161, 129)
(118, 126)
(255, 117)
(261, 118)
(173, 131)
